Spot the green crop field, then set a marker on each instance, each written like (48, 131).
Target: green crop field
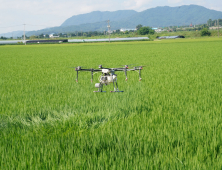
(172, 119)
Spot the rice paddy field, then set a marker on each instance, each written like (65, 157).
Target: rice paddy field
(172, 119)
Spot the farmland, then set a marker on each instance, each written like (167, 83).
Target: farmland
(172, 119)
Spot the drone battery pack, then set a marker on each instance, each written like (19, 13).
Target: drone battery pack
(97, 85)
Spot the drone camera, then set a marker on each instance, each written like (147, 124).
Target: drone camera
(103, 78)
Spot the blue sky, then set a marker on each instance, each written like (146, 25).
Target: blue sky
(38, 14)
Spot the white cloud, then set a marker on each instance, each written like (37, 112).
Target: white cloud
(55, 12)
(174, 1)
(136, 4)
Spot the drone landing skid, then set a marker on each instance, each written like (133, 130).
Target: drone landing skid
(98, 91)
(115, 91)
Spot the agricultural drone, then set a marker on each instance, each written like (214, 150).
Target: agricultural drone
(108, 75)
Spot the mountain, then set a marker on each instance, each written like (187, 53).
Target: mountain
(174, 16)
(13, 34)
(98, 16)
(154, 17)
(99, 26)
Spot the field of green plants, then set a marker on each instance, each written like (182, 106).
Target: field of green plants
(172, 119)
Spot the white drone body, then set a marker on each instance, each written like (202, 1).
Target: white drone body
(108, 76)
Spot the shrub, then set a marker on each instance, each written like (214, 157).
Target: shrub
(205, 32)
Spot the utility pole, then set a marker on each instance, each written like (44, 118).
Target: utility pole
(218, 27)
(108, 29)
(24, 34)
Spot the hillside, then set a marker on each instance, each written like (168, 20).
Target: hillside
(174, 16)
(154, 17)
(98, 16)
(159, 16)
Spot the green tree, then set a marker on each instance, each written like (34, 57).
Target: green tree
(151, 31)
(220, 22)
(41, 36)
(138, 26)
(126, 32)
(209, 22)
(205, 32)
(118, 31)
(33, 37)
(145, 30)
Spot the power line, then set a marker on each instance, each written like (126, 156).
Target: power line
(108, 29)
(25, 24)
(38, 25)
(11, 26)
(24, 34)
(218, 27)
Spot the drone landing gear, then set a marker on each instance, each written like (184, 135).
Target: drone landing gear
(98, 91)
(115, 91)
(100, 88)
(115, 88)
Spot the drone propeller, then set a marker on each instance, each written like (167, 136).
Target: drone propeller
(79, 68)
(128, 64)
(101, 67)
(139, 67)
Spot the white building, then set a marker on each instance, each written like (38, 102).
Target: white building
(127, 29)
(53, 36)
(215, 28)
(158, 30)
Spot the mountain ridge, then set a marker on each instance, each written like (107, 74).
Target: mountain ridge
(98, 16)
(160, 16)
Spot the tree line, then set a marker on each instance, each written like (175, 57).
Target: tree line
(211, 22)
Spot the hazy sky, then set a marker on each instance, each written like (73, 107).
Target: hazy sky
(38, 14)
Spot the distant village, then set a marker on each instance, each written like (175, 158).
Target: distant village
(210, 25)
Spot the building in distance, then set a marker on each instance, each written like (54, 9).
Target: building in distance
(53, 35)
(127, 29)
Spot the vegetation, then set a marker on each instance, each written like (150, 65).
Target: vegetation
(139, 26)
(211, 22)
(145, 31)
(170, 120)
(3, 38)
(205, 32)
